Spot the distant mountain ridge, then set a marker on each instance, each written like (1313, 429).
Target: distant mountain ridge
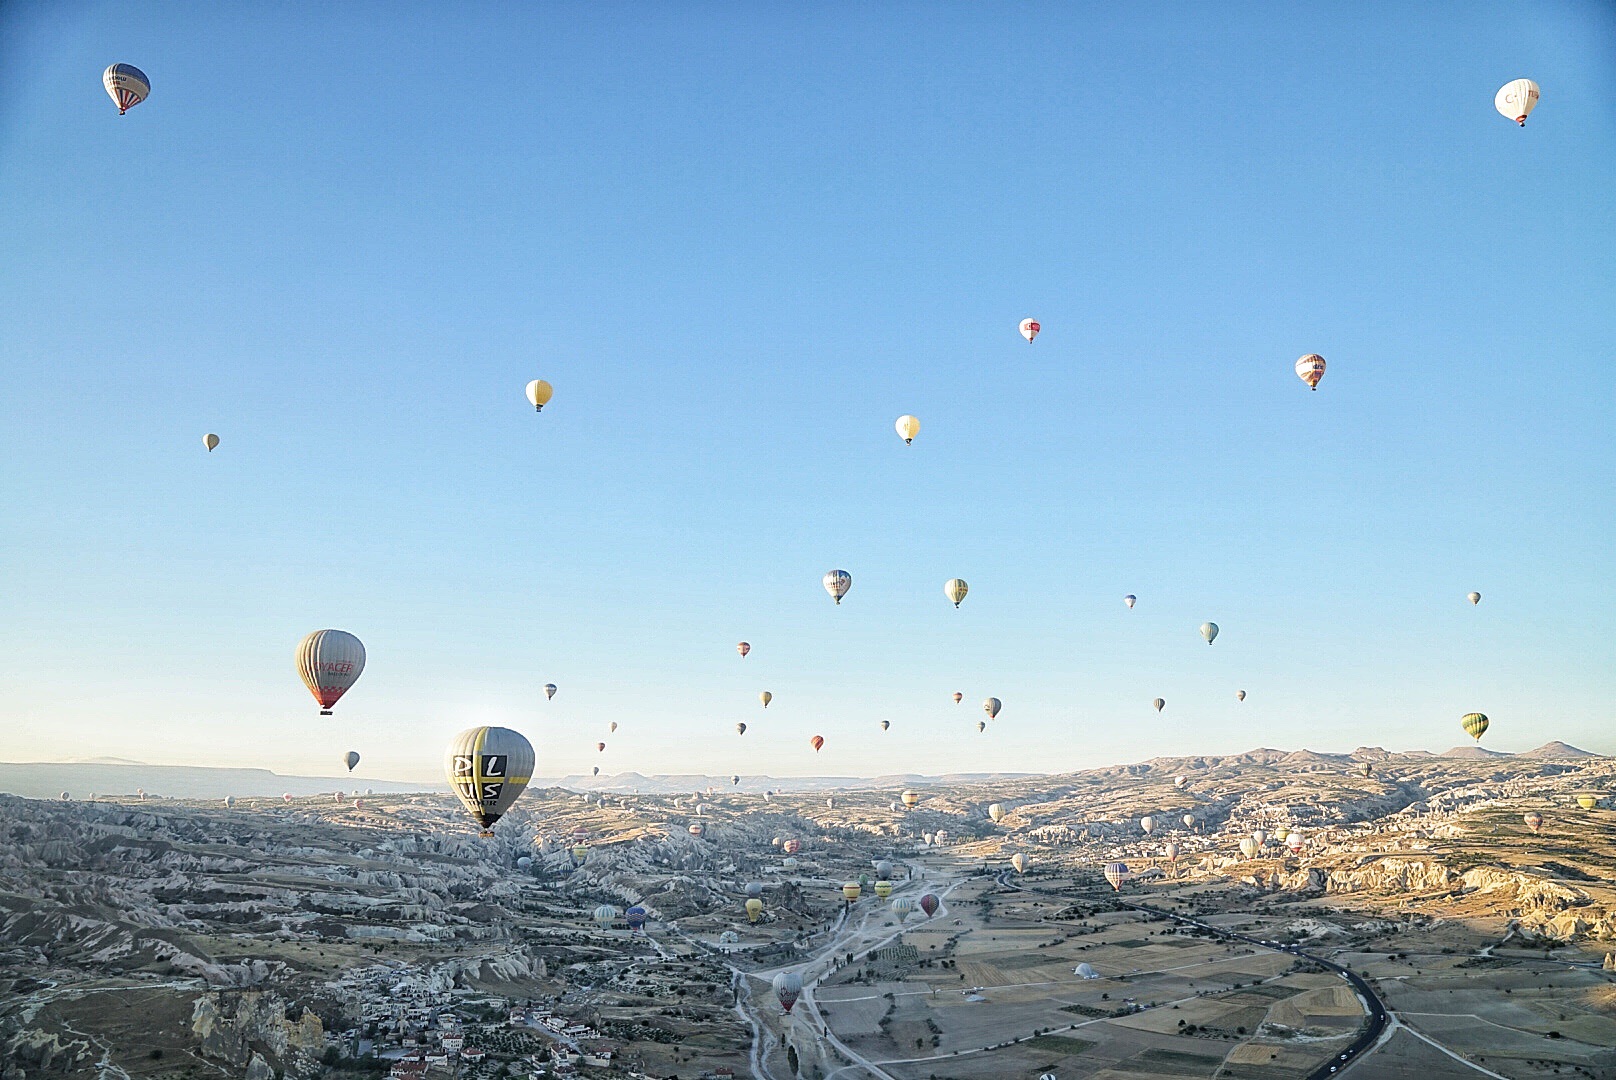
(48, 779)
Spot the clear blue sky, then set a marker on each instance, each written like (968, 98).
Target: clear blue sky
(740, 240)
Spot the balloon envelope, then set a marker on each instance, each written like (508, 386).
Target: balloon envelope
(740, 729)
(955, 589)
(787, 988)
(127, 85)
(1148, 824)
(885, 724)
(352, 759)
(210, 440)
(765, 697)
(1116, 873)
(1534, 820)
(549, 691)
(816, 742)
(908, 427)
(1029, 329)
(489, 767)
(1240, 695)
(837, 582)
(1474, 598)
(1130, 600)
(539, 393)
(928, 904)
(996, 812)
(1160, 703)
(1020, 862)
(1209, 630)
(958, 697)
(1475, 724)
(1516, 99)
(992, 706)
(330, 662)
(1310, 369)
(754, 908)
(910, 799)
(744, 647)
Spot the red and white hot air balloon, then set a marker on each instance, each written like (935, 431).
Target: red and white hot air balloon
(128, 86)
(1029, 329)
(330, 662)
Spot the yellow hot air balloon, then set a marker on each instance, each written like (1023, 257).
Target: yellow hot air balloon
(1475, 725)
(765, 697)
(1587, 802)
(908, 427)
(851, 891)
(754, 908)
(883, 889)
(910, 799)
(955, 589)
(539, 393)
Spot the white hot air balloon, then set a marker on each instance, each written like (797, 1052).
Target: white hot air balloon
(330, 662)
(1474, 598)
(996, 812)
(1295, 841)
(1310, 369)
(1130, 600)
(1248, 847)
(837, 582)
(955, 589)
(1515, 100)
(1148, 824)
(210, 440)
(1029, 329)
(128, 86)
(908, 427)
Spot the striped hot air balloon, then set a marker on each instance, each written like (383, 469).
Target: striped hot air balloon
(1533, 819)
(903, 907)
(883, 889)
(127, 85)
(1475, 724)
(928, 904)
(910, 799)
(1310, 369)
(1116, 873)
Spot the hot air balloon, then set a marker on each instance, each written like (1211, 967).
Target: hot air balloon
(910, 799)
(524, 863)
(1160, 703)
(991, 706)
(352, 759)
(1240, 695)
(1130, 600)
(597, 771)
(1148, 824)
(600, 747)
(928, 904)
(740, 729)
(1475, 725)
(611, 727)
(837, 582)
(754, 908)
(695, 829)
(754, 888)
(885, 724)
(1180, 781)
(549, 691)
(928, 838)
(539, 393)
(940, 837)
(210, 440)
(1029, 329)
(1295, 841)
(1533, 819)
(488, 768)
(787, 988)
(903, 907)
(1116, 873)
(830, 803)
(1170, 851)
(1367, 768)
(635, 917)
(765, 697)
(981, 725)
(792, 846)
(1587, 802)
(1020, 862)
(955, 589)
(1515, 100)
(128, 86)
(883, 889)
(1209, 630)
(1189, 821)
(883, 868)
(604, 916)
(735, 780)
(908, 427)
(816, 742)
(851, 891)
(1310, 369)
(330, 662)
(286, 798)
(229, 800)
(996, 812)
(958, 697)
(744, 647)
(68, 797)
(1248, 847)
(1259, 837)
(340, 796)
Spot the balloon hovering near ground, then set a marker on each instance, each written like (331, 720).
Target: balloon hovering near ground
(1295, 841)
(754, 908)
(1587, 802)
(1189, 821)
(911, 799)
(744, 647)
(1170, 851)
(928, 904)
(996, 812)
(903, 907)
(816, 742)
(955, 589)
(1148, 824)
(489, 768)
(1475, 724)
(1516, 99)
(1020, 862)
(1474, 598)
(1248, 847)
(1533, 819)
(958, 697)
(127, 85)
(635, 917)
(883, 889)
(1209, 630)
(1160, 704)
(908, 427)
(1310, 369)
(1259, 837)
(765, 697)
(837, 582)
(1130, 600)
(787, 989)
(1180, 780)
(210, 440)
(1116, 873)
(1029, 329)
(539, 393)
(992, 706)
(330, 662)
(351, 759)
(851, 891)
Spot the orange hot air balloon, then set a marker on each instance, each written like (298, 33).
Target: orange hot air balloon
(816, 742)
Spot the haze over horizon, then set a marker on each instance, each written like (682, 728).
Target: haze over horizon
(739, 247)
